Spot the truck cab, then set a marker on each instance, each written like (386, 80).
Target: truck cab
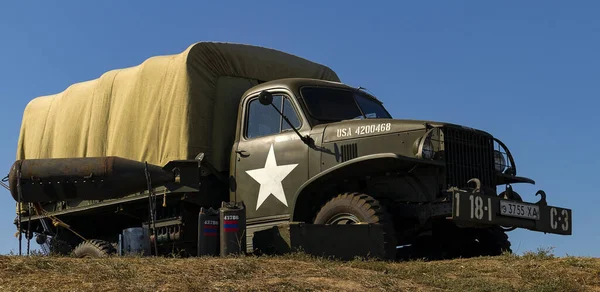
(325, 153)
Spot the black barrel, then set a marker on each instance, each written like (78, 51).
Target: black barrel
(232, 228)
(92, 178)
(208, 232)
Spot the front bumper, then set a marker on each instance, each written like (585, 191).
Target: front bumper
(474, 209)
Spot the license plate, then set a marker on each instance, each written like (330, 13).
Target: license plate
(520, 210)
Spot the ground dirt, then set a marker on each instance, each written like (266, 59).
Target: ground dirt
(529, 272)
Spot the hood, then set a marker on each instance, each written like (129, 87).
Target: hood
(352, 129)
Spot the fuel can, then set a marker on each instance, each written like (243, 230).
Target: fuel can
(232, 228)
(208, 232)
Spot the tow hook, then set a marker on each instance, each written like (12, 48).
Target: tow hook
(542, 201)
(477, 184)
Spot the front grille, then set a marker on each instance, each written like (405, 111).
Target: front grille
(468, 154)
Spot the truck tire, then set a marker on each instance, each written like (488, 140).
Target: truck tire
(351, 208)
(94, 248)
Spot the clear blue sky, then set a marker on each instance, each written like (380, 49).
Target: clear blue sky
(526, 71)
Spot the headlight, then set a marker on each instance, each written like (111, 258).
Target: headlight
(428, 145)
(427, 151)
(499, 161)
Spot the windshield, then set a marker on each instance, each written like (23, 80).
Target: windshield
(332, 104)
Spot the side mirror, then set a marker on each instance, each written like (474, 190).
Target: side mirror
(265, 98)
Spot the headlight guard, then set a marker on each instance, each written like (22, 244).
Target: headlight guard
(429, 145)
(503, 156)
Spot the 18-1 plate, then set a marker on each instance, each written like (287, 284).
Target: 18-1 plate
(520, 210)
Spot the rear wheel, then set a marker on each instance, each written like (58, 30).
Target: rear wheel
(352, 208)
(94, 248)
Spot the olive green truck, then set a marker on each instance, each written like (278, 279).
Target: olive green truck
(225, 122)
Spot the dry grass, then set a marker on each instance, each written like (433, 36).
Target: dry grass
(530, 272)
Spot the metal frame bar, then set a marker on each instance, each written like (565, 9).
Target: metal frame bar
(19, 201)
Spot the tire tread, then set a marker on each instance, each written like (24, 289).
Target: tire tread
(95, 247)
(376, 214)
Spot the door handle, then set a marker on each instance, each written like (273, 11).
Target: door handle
(242, 153)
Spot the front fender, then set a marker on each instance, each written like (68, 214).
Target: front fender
(363, 166)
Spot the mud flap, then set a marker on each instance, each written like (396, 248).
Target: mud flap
(344, 242)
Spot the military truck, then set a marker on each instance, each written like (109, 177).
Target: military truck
(230, 122)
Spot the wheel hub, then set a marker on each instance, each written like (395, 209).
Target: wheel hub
(343, 219)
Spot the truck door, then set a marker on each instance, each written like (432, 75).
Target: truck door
(271, 160)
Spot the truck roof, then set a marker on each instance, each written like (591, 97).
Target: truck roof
(295, 84)
(163, 109)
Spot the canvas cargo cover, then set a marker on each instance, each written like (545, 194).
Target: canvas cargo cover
(167, 108)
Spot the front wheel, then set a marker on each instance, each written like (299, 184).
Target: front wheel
(353, 208)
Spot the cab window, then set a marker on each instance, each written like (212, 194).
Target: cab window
(264, 120)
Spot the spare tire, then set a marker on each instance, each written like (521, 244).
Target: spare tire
(352, 208)
(94, 248)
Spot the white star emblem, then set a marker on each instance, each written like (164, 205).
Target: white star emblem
(270, 178)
